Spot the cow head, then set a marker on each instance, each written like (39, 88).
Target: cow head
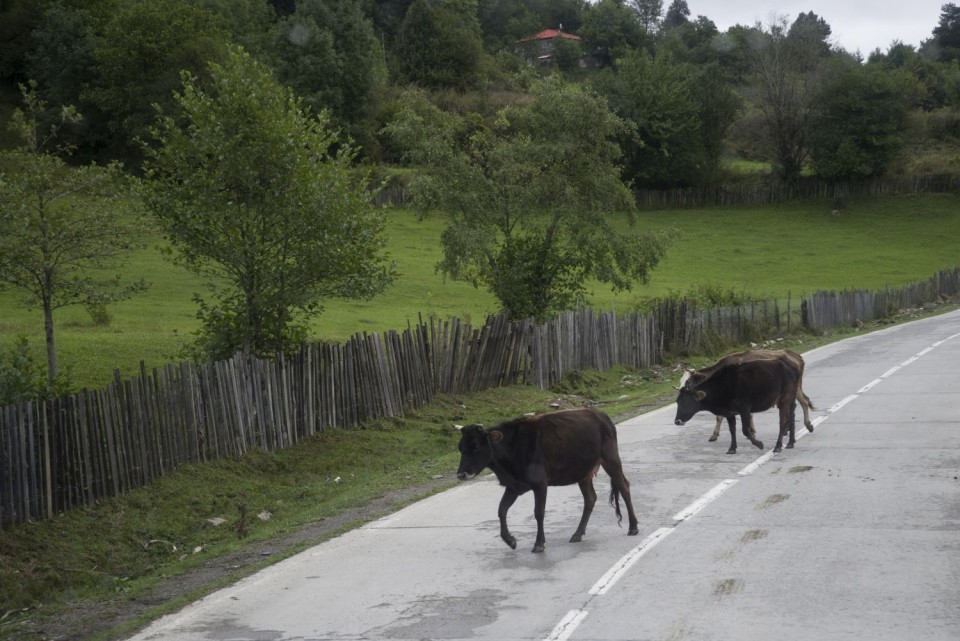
(688, 403)
(476, 449)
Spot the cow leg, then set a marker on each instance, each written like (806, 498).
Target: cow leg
(732, 422)
(749, 430)
(539, 510)
(620, 485)
(785, 422)
(716, 430)
(807, 406)
(508, 498)
(589, 500)
(792, 426)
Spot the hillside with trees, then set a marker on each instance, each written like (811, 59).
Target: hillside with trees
(250, 124)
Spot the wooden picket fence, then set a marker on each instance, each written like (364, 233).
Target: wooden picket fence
(836, 309)
(775, 192)
(76, 450)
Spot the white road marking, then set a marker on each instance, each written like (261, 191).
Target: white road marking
(620, 567)
(709, 497)
(567, 625)
(565, 629)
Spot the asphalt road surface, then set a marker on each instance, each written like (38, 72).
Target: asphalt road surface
(854, 534)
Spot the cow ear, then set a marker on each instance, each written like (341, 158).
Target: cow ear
(700, 395)
(495, 436)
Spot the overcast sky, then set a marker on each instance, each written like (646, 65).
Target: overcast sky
(855, 25)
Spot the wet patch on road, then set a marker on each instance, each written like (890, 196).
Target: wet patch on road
(796, 469)
(726, 587)
(772, 500)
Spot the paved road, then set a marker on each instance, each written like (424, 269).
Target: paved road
(855, 534)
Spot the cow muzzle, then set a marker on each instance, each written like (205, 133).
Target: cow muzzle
(677, 421)
(463, 476)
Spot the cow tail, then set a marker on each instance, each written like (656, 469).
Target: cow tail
(615, 502)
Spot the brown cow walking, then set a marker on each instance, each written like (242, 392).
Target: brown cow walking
(696, 376)
(742, 389)
(534, 452)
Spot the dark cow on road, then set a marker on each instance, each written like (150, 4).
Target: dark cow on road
(698, 375)
(534, 452)
(742, 389)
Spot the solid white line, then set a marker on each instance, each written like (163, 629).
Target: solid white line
(567, 625)
(870, 385)
(908, 361)
(704, 500)
(926, 351)
(620, 567)
(890, 372)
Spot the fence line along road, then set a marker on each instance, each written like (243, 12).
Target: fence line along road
(76, 450)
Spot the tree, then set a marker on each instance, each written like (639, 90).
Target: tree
(613, 29)
(438, 47)
(60, 224)
(649, 12)
(856, 130)
(678, 13)
(681, 115)
(946, 35)
(328, 53)
(531, 199)
(245, 185)
(787, 75)
(137, 62)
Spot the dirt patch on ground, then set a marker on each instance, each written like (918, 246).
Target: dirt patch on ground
(82, 620)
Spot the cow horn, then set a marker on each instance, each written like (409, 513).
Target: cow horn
(457, 427)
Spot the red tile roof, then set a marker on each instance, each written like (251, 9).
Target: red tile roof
(549, 34)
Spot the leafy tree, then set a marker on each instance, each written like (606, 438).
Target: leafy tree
(244, 183)
(137, 62)
(681, 115)
(856, 130)
(438, 47)
(787, 74)
(247, 21)
(531, 199)
(650, 13)
(678, 13)
(613, 29)
(60, 224)
(328, 53)
(946, 35)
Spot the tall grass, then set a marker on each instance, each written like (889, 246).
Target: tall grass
(767, 252)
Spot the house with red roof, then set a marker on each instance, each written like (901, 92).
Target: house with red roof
(539, 48)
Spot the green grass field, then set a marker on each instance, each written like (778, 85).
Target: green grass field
(766, 252)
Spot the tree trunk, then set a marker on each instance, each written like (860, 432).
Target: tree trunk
(51, 343)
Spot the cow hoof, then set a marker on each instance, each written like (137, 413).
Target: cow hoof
(576, 538)
(633, 531)
(809, 426)
(759, 444)
(778, 449)
(732, 450)
(511, 541)
(712, 439)
(789, 446)
(537, 548)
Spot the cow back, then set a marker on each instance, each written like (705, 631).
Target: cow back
(559, 448)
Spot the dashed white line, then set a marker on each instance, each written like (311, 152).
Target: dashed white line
(567, 625)
(565, 629)
(705, 500)
(620, 567)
